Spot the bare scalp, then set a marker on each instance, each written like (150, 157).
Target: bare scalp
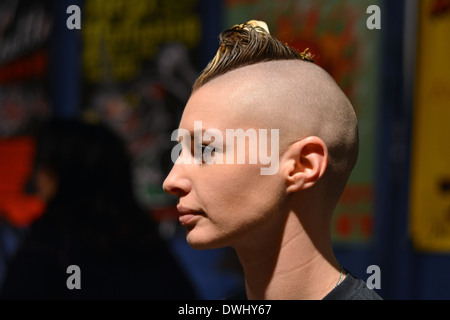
(278, 87)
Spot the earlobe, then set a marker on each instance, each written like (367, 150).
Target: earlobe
(305, 163)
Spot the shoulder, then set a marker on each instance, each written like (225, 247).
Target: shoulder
(352, 288)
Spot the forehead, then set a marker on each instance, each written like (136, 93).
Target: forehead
(220, 104)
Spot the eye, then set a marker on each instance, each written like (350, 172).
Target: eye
(203, 153)
(207, 150)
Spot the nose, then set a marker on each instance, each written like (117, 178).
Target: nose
(175, 183)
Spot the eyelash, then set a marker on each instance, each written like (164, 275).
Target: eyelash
(203, 147)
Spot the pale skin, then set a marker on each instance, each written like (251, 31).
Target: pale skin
(278, 224)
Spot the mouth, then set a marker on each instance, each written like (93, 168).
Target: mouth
(188, 216)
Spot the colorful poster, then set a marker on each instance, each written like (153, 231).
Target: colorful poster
(25, 31)
(139, 63)
(337, 35)
(430, 164)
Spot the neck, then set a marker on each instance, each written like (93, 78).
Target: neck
(292, 267)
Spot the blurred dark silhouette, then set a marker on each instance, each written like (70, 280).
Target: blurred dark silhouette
(92, 220)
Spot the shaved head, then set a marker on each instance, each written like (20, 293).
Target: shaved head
(300, 99)
(268, 84)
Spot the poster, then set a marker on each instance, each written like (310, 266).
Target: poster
(430, 161)
(25, 31)
(139, 63)
(337, 35)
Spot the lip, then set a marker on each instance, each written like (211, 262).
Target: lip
(188, 216)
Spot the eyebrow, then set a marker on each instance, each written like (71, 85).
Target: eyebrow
(192, 134)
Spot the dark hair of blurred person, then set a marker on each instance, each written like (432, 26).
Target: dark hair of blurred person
(92, 220)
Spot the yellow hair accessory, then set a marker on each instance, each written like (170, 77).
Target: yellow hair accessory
(255, 24)
(306, 55)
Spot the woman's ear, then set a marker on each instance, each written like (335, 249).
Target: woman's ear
(304, 163)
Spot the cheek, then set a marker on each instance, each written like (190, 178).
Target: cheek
(240, 197)
(233, 186)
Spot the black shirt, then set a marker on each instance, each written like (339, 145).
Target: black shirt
(351, 288)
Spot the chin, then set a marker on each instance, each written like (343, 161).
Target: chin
(201, 242)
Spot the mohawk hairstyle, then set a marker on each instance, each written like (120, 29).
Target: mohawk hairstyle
(247, 44)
